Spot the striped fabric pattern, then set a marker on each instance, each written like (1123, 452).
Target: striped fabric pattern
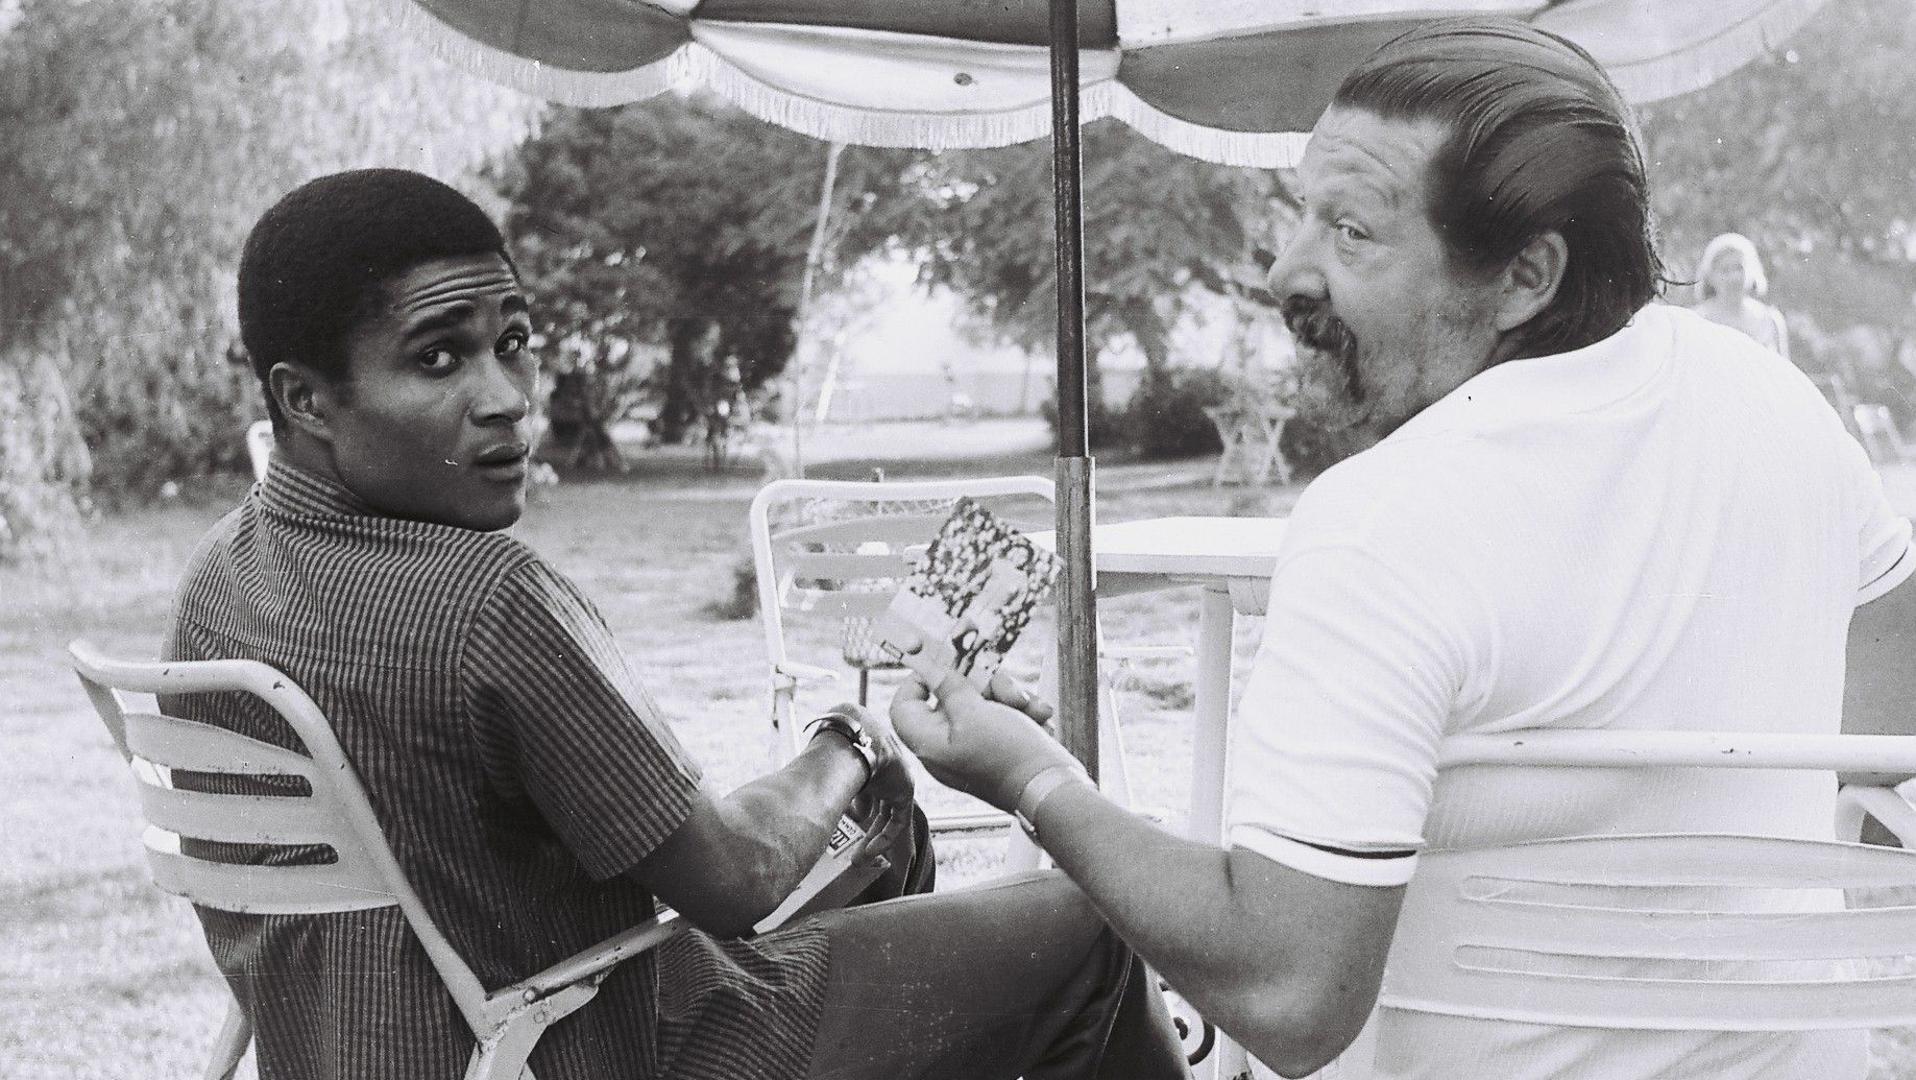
(517, 768)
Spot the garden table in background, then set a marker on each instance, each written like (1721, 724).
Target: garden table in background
(1230, 559)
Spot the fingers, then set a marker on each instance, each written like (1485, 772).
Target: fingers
(1005, 690)
(913, 718)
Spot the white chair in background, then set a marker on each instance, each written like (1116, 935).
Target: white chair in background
(829, 554)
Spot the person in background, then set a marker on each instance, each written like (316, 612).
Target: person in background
(1730, 285)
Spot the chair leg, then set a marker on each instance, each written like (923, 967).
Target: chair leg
(1114, 772)
(230, 1045)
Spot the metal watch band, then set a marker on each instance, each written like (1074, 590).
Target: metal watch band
(1038, 788)
(853, 732)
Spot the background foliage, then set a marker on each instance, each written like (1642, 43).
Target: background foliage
(1811, 152)
(139, 140)
(666, 238)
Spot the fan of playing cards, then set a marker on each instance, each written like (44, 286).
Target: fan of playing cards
(967, 598)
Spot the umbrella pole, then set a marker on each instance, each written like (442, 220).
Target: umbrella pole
(1077, 604)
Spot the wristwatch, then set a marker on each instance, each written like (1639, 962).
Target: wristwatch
(1038, 788)
(854, 733)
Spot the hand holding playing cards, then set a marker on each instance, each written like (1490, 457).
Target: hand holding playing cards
(985, 744)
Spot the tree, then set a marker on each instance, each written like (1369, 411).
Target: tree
(665, 243)
(1811, 152)
(1160, 230)
(138, 143)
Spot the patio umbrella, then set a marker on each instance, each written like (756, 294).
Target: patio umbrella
(1237, 82)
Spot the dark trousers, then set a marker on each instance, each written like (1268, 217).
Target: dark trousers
(1015, 978)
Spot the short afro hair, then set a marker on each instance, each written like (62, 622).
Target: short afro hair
(314, 264)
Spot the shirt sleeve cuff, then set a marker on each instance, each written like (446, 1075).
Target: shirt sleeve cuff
(1382, 869)
(1898, 572)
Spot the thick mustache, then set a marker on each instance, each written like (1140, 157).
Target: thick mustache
(1315, 326)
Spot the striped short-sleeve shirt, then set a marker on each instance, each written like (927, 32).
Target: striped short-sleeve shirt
(517, 768)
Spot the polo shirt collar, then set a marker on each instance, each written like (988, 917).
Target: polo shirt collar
(1580, 381)
(296, 492)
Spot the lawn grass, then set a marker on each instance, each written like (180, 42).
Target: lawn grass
(103, 977)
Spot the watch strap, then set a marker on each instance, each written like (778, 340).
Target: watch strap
(854, 734)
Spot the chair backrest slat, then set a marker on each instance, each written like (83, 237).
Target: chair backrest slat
(1678, 932)
(846, 566)
(366, 873)
(252, 819)
(1682, 859)
(1647, 1004)
(183, 744)
(837, 603)
(268, 890)
(894, 530)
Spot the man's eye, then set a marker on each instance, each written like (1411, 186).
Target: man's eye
(1349, 232)
(512, 344)
(438, 358)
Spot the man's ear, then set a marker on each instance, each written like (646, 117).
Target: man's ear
(304, 399)
(1531, 279)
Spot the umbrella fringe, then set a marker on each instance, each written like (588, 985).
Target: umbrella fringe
(864, 127)
(569, 87)
(1698, 64)
(1680, 71)
(1251, 149)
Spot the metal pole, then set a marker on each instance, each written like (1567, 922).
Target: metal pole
(807, 337)
(1077, 603)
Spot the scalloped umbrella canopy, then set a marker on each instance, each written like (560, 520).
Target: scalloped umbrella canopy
(1238, 82)
(1231, 81)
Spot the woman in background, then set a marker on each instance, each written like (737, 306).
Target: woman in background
(1729, 282)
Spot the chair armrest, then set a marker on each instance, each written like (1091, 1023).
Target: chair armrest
(1146, 652)
(598, 959)
(1888, 806)
(791, 673)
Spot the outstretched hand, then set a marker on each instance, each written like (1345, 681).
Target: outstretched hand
(985, 744)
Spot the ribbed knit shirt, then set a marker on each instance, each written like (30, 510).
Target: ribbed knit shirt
(517, 768)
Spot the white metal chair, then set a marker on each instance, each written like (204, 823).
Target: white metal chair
(829, 554)
(1538, 932)
(336, 814)
(259, 446)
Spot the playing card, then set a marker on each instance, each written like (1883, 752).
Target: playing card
(968, 597)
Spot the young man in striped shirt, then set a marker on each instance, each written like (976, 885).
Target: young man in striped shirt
(530, 788)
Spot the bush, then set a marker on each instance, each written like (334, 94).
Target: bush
(1104, 428)
(1310, 449)
(1166, 417)
(739, 599)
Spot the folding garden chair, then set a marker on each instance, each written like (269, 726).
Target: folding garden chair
(1250, 431)
(829, 554)
(1541, 932)
(335, 813)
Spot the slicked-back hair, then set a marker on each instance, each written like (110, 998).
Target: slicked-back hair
(1538, 140)
(317, 262)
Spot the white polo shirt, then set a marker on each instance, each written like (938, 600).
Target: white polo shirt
(1666, 530)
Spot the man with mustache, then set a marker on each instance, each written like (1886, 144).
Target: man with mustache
(529, 787)
(1577, 509)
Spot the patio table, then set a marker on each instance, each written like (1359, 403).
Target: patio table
(1230, 559)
